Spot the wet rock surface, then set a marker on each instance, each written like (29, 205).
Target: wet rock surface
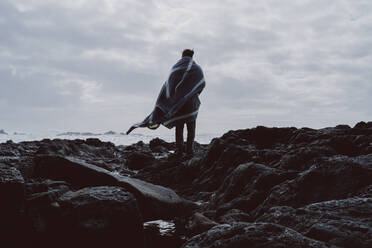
(345, 223)
(101, 216)
(252, 235)
(259, 187)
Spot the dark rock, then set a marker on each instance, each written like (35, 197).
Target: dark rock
(46, 197)
(332, 178)
(159, 145)
(97, 142)
(235, 215)
(42, 215)
(178, 175)
(101, 216)
(60, 147)
(303, 157)
(247, 186)
(252, 235)
(344, 145)
(103, 154)
(155, 201)
(304, 135)
(39, 186)
(72, 170)
(345, 223)
(219, 161)
(198, 223)
(342, 127)
(139, 146)
(365, 192)
(9, 149)
(363, 125)
(12, 206)
(12, 194)
(261, 136)
(139, 160)
(3, 132)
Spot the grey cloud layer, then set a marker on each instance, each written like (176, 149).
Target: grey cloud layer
(100, 64)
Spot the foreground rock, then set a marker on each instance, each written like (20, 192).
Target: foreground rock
(332, 178)
(12, 197)
(345, 223)
(252, 235)
(155, 202)
(101, 217)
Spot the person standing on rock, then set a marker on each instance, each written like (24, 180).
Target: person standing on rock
(178, 102)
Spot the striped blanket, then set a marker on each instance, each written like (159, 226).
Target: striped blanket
(178, 99)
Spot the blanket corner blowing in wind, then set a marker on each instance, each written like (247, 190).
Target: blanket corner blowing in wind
(178, 100)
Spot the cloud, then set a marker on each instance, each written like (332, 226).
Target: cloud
(99, 64)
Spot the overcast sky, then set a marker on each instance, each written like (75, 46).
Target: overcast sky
(98, 65)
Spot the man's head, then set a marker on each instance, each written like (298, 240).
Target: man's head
(187, 53)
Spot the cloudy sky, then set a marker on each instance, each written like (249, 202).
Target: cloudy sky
(98, 65)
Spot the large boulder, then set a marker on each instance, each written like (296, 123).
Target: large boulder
(345, 223)
(72, 170)
(251, 235)
(101, 216)
(155, 202)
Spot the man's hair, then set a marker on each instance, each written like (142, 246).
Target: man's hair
(188, 52)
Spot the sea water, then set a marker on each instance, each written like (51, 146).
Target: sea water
(110, 136)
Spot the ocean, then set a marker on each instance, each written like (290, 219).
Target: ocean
(110, 136)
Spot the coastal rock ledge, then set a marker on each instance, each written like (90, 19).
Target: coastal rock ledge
(258, 187)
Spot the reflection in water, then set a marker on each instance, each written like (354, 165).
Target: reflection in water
(164, 227)
(161, 233)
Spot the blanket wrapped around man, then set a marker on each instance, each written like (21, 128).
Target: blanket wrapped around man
(178, 100)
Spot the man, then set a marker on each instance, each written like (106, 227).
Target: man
(178, 102)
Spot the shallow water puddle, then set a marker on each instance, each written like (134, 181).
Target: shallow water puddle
(164, 227)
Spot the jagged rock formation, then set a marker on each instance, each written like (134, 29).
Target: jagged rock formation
(252, 235)
(259, 187)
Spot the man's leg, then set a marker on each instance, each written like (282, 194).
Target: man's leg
(190, 137)
(179, 137)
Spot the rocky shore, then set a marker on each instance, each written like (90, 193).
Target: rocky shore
(259, 187)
